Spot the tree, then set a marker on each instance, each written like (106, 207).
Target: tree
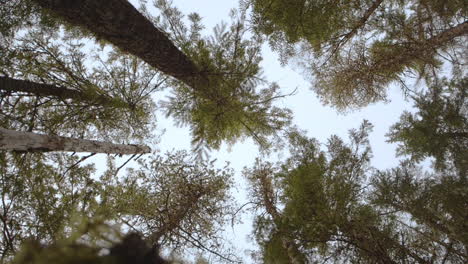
(47, 54)
(118, 22)
(189, 203)
(435, 203)
(434, 200)
(42, 196)
(439, 128)
(215, 85)
(31, 142)
(280, 247)
(354, 50)
(320, 196)
(326, 209)
(111, 99)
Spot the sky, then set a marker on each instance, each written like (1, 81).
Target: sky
(310, 115)
(319, 121)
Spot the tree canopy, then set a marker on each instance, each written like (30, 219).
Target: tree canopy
(438, 129)
(83, 78)
(331, 206)
(353, 50)
(215, 80)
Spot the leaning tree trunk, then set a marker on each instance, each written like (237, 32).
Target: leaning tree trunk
(42, 89)
(119, 23)
(31, 142)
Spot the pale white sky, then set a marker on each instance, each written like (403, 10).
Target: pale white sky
(309, 114)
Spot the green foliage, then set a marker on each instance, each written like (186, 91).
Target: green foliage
(17, 14)
(435, 202)
(289, 22)
(173, 201)
(231, 106)
(439, 128)
(331, 206)
(353, 50)
(41, 197)
(320, 194)
(45, 56)
(274, 252)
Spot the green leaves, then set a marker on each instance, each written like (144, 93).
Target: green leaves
(435, 202)
(59, 60)
(236, 102)
(41, 197)
(352, 51)
(331, 205)
(438, 129)
(174, 201)
(311, 197)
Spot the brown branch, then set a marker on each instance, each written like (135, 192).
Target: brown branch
(42, 89)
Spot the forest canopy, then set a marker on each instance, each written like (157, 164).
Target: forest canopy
(87, 89)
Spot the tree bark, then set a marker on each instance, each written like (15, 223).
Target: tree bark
(119, 23)
(267, 194)
(32, 142)
(42, 89)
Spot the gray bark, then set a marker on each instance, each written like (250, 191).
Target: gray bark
(32, 142)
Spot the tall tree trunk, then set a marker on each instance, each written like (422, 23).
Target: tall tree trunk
(119, 23)
(42, 89)
(32, 142)
(267, 194)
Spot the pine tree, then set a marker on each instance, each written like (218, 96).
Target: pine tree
(215, 79)
(429, 209)
(439, 128)
(173, 201)
(48, 87)
(119, 23)
(354, 50)
(331, 206)
(190, 202)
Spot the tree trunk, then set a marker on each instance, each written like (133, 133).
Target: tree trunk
(42, 89)
(119, 23)
(31, 142)
(267, 193)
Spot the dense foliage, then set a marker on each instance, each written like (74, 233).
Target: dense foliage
(331, 206)
(352, 50)
(238, 102)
